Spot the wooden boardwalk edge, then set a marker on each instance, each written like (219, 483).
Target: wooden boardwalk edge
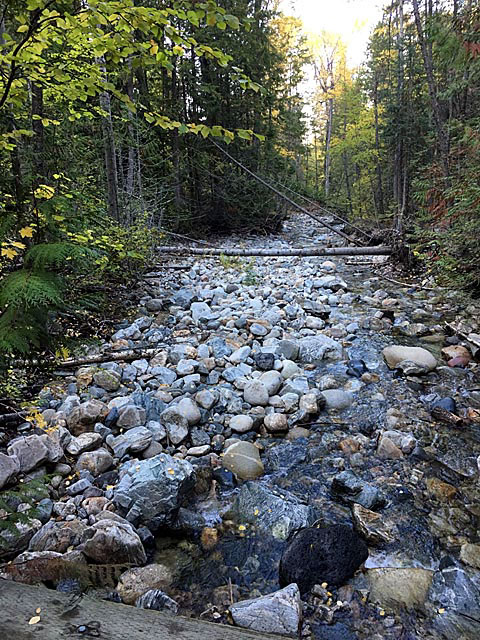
(62, 614)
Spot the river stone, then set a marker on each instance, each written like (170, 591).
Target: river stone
(176, 425)
(189, 410)
(130, 416)
(256, 393)
(9, 467)
(470, 554)
(388, 449)
(206, 399)
(243, 459)
(264, 361)
(16, 539)
(84, 417)
(157, 600)
(290, 369)
(106, 540)
(135, 582)
(84, 442)
(97, 462)
(276, 422)
(395, 354)
(391, 587)
(279, 612)
(57, 536)
(108, 380)
(314, 349)
(273, 511)
(153, 488)
(272, 381)
(315, 555)
(454, 592)
(30, 452)
(337, 399)
(138, 439)
(241, 424)
(240, 355)
(352, 489)
(369, 525)
(200, 310)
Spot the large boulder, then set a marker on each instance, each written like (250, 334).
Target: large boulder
(279, 612)
(276, 512)
(57, 536)
(135, 582)
(154, 488)
(9, 467)
(30, 452)
(314, 349)
(85, 416)
(396, 354)
(108, 540)
(391, 587)
(315, 555)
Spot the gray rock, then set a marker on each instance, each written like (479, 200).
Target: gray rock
(16, 540)
(289, 349)
(186, 367)
(279, 612)
(256, 393)
(220, 349)
(189, 410)
(396, 353)
(56, 440)
(97, 462)
(153, 488)
(243, 459)
(108, 380)
(258, 329)
(183, 298)
(290, 369)
(337, 399)
(30, 452)
(130, 416)
(138, 439)
(454, 592)
(157, 430)
(241, 424)
(9, 467)
(314, 349)
(164, 375)
(107, 539)
(273, 511)
(158, 601)
(392, 587)
(78, 487)
(352, 489)
(272, 380)
(84, 442)
(176, 425)
(200, 310)
(206, 399)
(154, 304)
(240, 355)
(84, 417)
(135, 582)
(276, 422)
(57, 536)
(298, 386)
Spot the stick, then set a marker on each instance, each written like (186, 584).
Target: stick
(278, 253)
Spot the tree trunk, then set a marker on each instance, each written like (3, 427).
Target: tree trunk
(380, 199)
(39, 135)
(328, 140)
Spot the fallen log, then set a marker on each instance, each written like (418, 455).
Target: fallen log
(123, 355)
(279, 253)
(61, 616)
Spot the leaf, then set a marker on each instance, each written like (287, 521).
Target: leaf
(44, 191)
(34, 620)
(9, 253)
(26, 232)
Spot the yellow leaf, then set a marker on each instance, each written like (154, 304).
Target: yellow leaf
(26, 232)
(154, 49)
(38, 610)
(18, 245)
(242, 527)
(44, 191)
(9, 253)
(34, 620)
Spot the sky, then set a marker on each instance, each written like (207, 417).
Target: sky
(352, 19)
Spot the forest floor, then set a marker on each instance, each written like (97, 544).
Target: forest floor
(254, 398)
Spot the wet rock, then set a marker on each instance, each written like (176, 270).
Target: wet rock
(243, 459)
(264, 361)
(459, 598)
(370, 526)
(276, 512)
(9, 468)
(279, 612)
(84, 442)
(336, 399)
(157, 600)
(84, 417)
(153, 488)
(107, 539)
(448, 404)
(241, 424)
(96, 462)
(256, 393)
(285, 455)
(352, 489)
(337, 631)
(314, 349)
(356, 368)
(30, 452)
(276, 422)
(391, 587)
(135, 582)
(470, 554)
(57, 536)
(315, 555)
(395, 354)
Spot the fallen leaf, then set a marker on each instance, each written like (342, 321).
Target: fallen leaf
(34, 620)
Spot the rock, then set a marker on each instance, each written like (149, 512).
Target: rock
(200, 310)
(84, 442)
(108, 380)
(395, 354)
(470, 554)
(351, 489)
(189, 410)
(9, 468)
(275, 422)
(277, 513)
(392, 588)
(154, 304)
(153, 488)
(264, 361)
(309, 403)
(356, 368)
(290, 369)
(243, 459)
(176, 425)
(206, 399)
(298, 432)
(84, 417)
(447, 404)
(29, 451)
(403, 440)
(336, 399)
(57, 536)
(457, 595)
(29, 565)
(97, 462)
(130, 416)
(272, 381)
(457, 351)
(79, 487)
(257, 329)
(138, 439)
(314, 349)
(16, 539)
(135, 582)
(108, 539)
(279, 612)
(256, 393)
(241, 424)
(240, 355)
(56, 441)
(370, 526)
(288, 349)
(441, 490)
(331, 554)
(299, 386)
(388, 449)
(183, 298)
(157, 600)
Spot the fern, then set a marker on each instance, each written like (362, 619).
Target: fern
(28, 288)
(56, 254)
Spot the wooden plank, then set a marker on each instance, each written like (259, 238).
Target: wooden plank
(277, 253)
(61, 615)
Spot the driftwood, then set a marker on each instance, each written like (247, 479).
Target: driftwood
(123, 355)
(62, 616)
(277, 253)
